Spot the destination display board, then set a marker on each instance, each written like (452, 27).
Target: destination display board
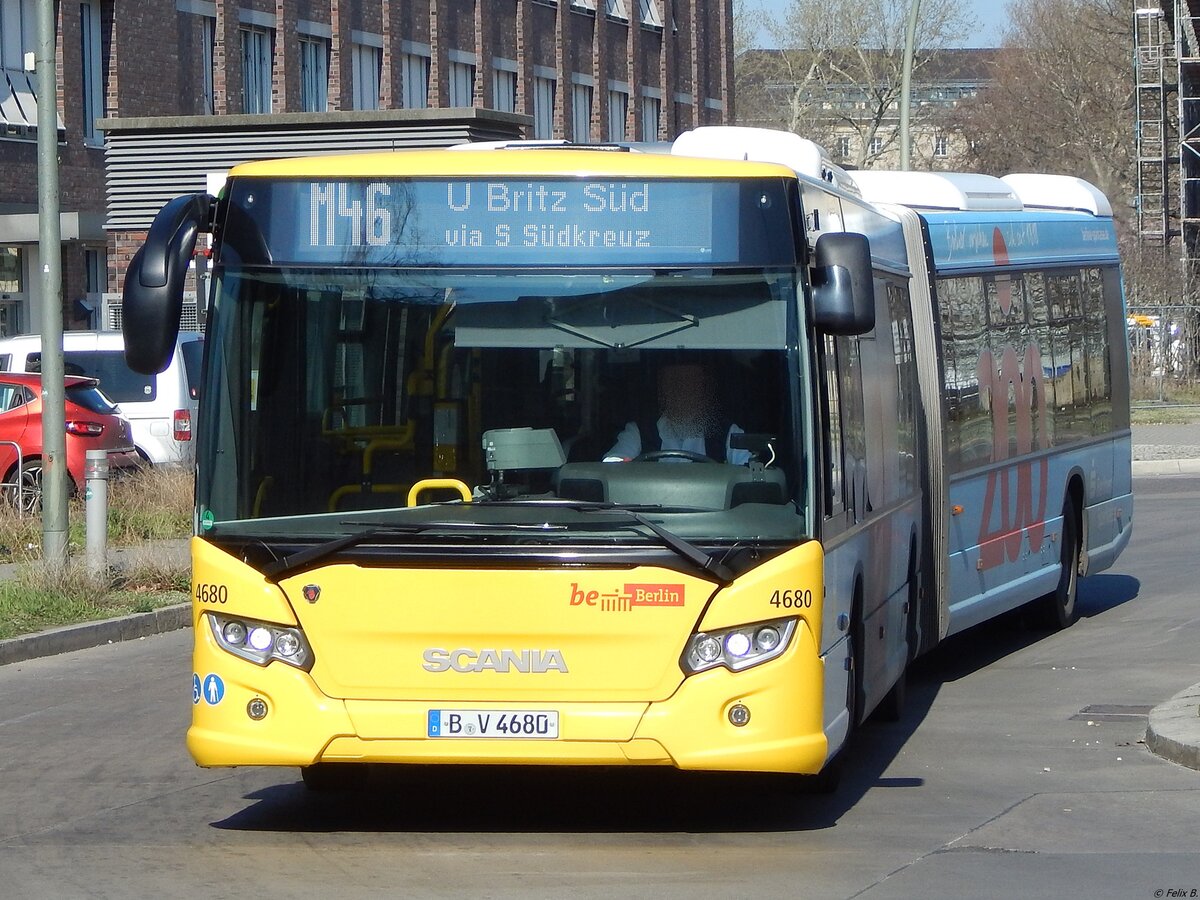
(509, 222)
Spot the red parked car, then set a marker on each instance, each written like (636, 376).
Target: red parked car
(92, 422)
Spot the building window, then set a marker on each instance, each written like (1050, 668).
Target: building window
(650, 16)
(95, 270)
(208, 45)
(543, 108)
(843, 147)
(941, 146)
(314, 74)
(581, 113)
(93, 71)
(876, 146)
(12, 271)
(504, 91)
(651, 114)
(462, 84)
(367, 74)
(256, 70)
(12, 283)
(18, 88)
(615, 9)
(416, 80)
(618, 109)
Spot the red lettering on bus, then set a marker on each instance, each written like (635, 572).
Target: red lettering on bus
(1015, 392)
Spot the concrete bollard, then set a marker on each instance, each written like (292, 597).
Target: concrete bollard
(95, 473)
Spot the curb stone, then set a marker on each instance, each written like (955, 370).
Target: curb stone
(1173, 731)
(94, 634)
(1166, 467)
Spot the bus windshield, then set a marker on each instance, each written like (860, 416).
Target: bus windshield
(332, 390)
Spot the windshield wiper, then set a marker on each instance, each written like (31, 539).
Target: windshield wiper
(689, 551)
(294, 562)
(281, 568)
(686, 549)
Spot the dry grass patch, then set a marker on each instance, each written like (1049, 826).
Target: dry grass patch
(153, 505)
(40, 597)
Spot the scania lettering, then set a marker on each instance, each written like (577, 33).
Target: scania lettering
(437, 660)
(439, 500)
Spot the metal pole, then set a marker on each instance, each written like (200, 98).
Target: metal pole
(910, 40)
(54, 434)
(96, 510)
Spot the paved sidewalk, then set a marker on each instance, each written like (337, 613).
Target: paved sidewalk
(1174, 727)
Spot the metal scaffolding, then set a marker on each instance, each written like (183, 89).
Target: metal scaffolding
(1187, 52)
(1167, 136)
(1153, 62)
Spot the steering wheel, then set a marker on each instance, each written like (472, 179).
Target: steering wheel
(656, 455)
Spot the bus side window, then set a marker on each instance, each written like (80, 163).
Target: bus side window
(854, 427)
(835, 469)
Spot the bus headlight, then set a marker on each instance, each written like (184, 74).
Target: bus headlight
(737, 648)
(261, 642)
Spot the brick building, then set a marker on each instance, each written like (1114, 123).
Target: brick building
(155, 97)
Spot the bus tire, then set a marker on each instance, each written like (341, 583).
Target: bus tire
(1060, 608)
(827, 781)
(856, 700)
(327, 777)
(891, 707)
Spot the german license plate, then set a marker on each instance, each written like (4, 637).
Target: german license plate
(477, 723)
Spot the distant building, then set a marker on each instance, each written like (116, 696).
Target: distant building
(851, 103)
(154, 97)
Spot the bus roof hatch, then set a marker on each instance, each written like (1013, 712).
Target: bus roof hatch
(1059, 192)
(937, 190)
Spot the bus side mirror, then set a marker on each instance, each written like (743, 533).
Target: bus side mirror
(843, 290)
(152, 298)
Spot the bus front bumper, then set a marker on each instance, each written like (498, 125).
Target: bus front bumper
(692, 729)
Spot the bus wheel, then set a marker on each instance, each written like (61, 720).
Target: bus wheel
(855, 701)
(826, 781)
(1059, 608)
(891, 707)
(324, 777)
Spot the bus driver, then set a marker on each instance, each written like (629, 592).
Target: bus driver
(690, 421)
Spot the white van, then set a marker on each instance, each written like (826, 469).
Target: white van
(160, 408)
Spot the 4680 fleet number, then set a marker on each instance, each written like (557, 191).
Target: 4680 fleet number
(211, 593)
(789, 599)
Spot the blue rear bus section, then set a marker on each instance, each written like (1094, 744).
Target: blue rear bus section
(1035, 393)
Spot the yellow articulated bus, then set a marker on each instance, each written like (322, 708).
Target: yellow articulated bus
(524, 456)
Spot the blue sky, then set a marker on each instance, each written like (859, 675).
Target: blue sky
(991, 15)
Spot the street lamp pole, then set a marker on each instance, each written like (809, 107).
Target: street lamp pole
(54, 436)
(910, 40)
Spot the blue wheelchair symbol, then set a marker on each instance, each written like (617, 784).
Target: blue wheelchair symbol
(195, 689)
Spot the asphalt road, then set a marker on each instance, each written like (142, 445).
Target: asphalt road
(996, 783)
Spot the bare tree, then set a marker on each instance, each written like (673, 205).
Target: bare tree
(748, 20)
(1062, 97)
(839, 70)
